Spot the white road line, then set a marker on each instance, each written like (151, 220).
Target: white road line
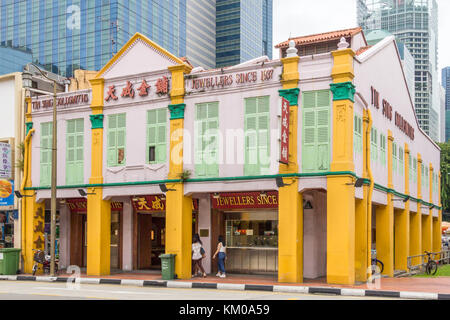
(102, 291)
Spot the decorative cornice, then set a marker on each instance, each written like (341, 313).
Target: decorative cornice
(291, 95)
(177, 111)
(97, 121)
(29, 126)
(343, 91)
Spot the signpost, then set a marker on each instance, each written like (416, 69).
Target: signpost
(284, 150)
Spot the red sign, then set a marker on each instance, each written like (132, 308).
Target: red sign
(245, 200)
(284, 150)
(79, 205)
(154, 203)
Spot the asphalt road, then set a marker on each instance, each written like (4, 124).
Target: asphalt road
(23, 290)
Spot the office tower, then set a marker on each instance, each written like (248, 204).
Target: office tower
(201, 33)
(66, 35)
(13, 59)
(413, 22)
(243, 30)
(446, 85)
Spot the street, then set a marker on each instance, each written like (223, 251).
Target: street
(22, 290)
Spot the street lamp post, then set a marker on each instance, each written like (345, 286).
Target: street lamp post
(53, 180)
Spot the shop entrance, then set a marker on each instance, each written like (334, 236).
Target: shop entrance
(78, 239)
(150, 239)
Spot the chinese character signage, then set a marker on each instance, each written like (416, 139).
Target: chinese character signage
(152, 203)
(139, 88)
(6, 193)
(245, 200)
(284, 151)
(5, 165)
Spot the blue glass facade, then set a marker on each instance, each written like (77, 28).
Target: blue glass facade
(64, 35)
(13, 60)
(243, 30)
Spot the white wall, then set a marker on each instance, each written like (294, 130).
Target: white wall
(8, 106)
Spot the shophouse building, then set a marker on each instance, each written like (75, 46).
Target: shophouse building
(304, 164)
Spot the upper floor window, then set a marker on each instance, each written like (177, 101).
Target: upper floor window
(394, 158)
(74, 152)
(373, 144)
(46, 153)
(316, 133)
(206, 142)
(357, 138)
(382, 149)
(257, 136)
(401, 163)
(116, 140)
(156, 136)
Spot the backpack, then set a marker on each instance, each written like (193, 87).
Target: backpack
(202, 252)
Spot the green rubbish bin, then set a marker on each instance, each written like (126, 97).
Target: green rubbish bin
(9, 261)
(168, 266)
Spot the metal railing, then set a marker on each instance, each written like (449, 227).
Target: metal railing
(414, 264)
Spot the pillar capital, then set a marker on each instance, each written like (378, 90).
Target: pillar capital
(343, 91)
(290, 95)
(177, 111)
(97, 121)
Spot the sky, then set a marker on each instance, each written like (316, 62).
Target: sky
(304, 17)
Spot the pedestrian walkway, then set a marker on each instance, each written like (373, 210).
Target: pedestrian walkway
(431, 285)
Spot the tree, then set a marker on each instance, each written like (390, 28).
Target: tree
(445, 177)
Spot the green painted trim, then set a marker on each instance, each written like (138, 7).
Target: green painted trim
(177, 111)
(243, 178)
(343, 91)
(29, 126)
(97, 121)
(290, 95)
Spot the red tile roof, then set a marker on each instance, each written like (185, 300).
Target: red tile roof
(362, 50)
(321, 37)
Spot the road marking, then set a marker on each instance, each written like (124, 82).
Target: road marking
(102, 291)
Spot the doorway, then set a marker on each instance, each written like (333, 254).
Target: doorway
(78, 239)
(150, 239)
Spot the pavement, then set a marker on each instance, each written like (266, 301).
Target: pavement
(413, 288)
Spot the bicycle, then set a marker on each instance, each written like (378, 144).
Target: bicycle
(431, 266)
(376, 262)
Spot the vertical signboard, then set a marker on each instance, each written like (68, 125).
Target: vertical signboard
(6, 193)
(5, 158)
(284, 150)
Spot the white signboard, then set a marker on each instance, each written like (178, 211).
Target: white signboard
(5, 161)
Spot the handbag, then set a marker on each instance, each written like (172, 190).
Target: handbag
(202, 252)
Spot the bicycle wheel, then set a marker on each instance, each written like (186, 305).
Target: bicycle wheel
(34, 269)
(431, 267)
(380, 265)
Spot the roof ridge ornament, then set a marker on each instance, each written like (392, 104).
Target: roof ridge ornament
(292, 51)
(343, 44)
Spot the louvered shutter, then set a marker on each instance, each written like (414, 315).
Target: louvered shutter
(111, 141)
(323, 135)
(46, 154)
(309, 152)
(251, 138)
(121, 137)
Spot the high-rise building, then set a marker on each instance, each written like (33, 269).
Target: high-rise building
(413, 22)
(66, 35)
(446, 85)
(13, 59)
(243, 30)
(201, 33)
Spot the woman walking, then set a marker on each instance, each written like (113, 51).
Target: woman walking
(197, 255)
(221, 252)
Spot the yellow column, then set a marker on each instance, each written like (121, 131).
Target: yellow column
(363, 211)
(290, 209)
(427, 220)
(401, 224)
(437, 223)
(179, 207)
(98, 210)
(385, 221)
(33, 213)
(416, 218)
(340, 188)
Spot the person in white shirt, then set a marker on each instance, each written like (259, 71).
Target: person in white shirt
(221, 252)
(197, 256)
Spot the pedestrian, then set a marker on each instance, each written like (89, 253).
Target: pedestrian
(221, 253)
(197, 256)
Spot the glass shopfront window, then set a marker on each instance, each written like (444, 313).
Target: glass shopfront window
(252, 233)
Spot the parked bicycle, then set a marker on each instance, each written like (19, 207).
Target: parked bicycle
(40, 258)
(431, 266)
(376, 262)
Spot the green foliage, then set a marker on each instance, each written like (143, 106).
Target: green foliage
(186, 174)
(445, 178)
(443, 271)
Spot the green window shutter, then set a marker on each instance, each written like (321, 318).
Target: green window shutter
(116, 139)
(401, 164)
(156, 134)
(394, 158)
(74, 152)
(316, 131)
(415, 170)
(206, 139)
(257, 136)
(46, 153)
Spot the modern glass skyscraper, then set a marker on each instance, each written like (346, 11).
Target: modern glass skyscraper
(13, 59)
(243, 30)
(446, 85)
(415, 23)
(64, 35)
